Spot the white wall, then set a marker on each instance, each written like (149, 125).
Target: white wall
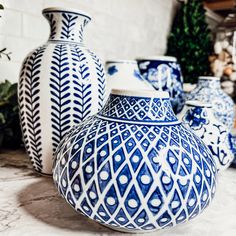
(120, 29)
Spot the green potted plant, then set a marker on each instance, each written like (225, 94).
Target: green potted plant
(10, 133)
(190, 40)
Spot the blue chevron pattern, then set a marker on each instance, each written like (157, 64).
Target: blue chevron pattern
(82, 85)
(51, 18)
(29, 106)
(60, 93)
(68, 22)
(101, 80)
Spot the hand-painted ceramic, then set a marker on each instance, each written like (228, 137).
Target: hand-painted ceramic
(134, 167)
(125, 74)
(61, 83)
(199, 117)
(164, 73)
(208, 90)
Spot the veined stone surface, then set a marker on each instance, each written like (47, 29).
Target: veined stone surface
(26, 208)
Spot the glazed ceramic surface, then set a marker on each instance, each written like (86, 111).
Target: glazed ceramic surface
(208, 90)
(164, 73)
(124, 74)
(199, 117)
(61, 83)
(134, 167)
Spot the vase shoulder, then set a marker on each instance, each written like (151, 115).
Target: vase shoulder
(139, 109)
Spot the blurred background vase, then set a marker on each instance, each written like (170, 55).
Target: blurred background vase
(164, 73)
(125, 74)
(209, 90)
(61, 83)
(199, 117)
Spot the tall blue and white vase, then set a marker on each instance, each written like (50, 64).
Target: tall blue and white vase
(61, 83)
(164, 73)
(199, 117)
(208, 90)
(125, 74)
(134, 167)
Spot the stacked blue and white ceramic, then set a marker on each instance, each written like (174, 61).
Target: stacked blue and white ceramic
(131, 164)
(209, 90)
(199, 117)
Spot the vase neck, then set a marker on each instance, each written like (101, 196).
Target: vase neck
(66, 25)
(139, 109)
(209, 83)
(198, 115)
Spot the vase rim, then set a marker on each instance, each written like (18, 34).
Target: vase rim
(197, 103)
(121, 61)
(69, 10)
(158, 58)
(140, 93)
(209, 78)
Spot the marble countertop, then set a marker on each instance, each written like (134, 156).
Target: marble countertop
(30, 205)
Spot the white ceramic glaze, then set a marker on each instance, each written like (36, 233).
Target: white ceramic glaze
(199, 117)
(209, 90)
(134, 167)
(61, 83)
(124, 74)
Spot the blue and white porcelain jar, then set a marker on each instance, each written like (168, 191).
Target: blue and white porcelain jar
(164, 73)
(199, 117)
(208, 90)
(61, 83)
(125, 74)
(134, 167)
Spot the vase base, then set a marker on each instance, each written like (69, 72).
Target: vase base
(131, 231)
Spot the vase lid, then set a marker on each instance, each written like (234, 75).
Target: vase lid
(142, 107)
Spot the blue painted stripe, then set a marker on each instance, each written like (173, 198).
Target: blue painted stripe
(137, 122)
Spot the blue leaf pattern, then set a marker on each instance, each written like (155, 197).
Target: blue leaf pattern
(29, 106)
(52, 22)
(82, 85)
(60, 94)
(68, 22)
(101, 80)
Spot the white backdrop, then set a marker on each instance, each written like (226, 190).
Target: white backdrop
(120, 29)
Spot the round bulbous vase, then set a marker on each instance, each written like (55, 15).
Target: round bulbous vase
(208, 90)
(134, 167)
(199, 117)
(61, 83)
(164, 73)
(125, 74)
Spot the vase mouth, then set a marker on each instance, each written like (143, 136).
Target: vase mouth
(197, 103)
(140, 93)
(120, 61)
(158, 58)
(214, 78)
(66, 10)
